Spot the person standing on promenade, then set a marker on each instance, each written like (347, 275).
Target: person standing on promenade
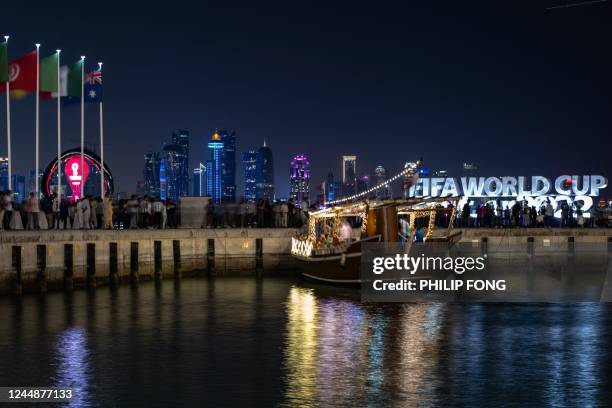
(32, 210)
(78, 215)
(132, 209)
(284, 211)
(86, 213)
(157, 213)
(108, 212)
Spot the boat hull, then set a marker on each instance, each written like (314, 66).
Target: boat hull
(333, 269)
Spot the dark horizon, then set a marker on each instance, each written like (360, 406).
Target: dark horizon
(519, 89)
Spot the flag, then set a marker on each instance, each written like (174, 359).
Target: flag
(4, 77)
(22, 74)
(71, 82)
(93, 86)
(48, 73)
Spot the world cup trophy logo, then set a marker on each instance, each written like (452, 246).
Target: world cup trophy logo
(77, 176)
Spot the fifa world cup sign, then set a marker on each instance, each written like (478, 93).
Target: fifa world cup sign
(577, 190)
(76, 176)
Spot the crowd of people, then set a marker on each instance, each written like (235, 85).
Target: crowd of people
(154, 213)
(521, 214)
(259, 214)
(141, 213)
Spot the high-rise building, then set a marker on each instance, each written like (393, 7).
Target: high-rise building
(174, 161)
(440, 173)
(469, 169)
(33, 180)
(363, 183)
(215, 176)
(208, 180)
(199, 180)
(264, 173)
(152, 162)
(380, 174)
(349, 175)
(330, 193)
(299, 179)
(163, 181)
(181, 138)
(228, 165)
(249, 166)
(4, 178)
(19, 187)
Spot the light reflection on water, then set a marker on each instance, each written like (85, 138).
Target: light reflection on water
(243, 342)
(73, 369)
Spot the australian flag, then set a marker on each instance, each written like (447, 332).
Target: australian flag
(93, 86)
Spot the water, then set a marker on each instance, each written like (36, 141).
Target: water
(240, 342)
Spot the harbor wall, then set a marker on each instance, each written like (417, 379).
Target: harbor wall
(40, 260)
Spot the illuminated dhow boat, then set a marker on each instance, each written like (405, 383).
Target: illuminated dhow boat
(331, 251)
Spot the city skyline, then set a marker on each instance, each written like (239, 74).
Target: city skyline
(326, 91)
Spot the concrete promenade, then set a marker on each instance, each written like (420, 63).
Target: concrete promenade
(41, 260)
(52, 259)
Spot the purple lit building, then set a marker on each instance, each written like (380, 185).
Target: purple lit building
(299, 179)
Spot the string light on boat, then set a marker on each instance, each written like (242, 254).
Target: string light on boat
(384, 184)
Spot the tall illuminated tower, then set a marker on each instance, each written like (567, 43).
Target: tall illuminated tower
(249, 165)
(349, 175)
(264, 173)
(216, 175)
(299, 179)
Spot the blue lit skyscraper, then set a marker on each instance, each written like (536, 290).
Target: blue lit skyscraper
(163, 181)
(4, 178)
(228, 165)
(249, 164)
(199, 180)
(208, 181)
(215, 177)
(264, 173)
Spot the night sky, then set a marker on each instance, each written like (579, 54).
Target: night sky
(515, 87)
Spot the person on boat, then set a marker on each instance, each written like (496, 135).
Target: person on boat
(419, 236)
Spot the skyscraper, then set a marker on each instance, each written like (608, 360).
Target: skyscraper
(174, 162)
(199, 180)
(264, 173)
(410, 178)
(349, 175)
(469, 169)
(181, 138)
(249, 165)
(299, 179)
(208, 180)
(163, 181)
(380, 174)
(19, 187)
(215, 176)
(363, 183)
(150, 174)
(4, 174)
(330, 186)
(228, 165)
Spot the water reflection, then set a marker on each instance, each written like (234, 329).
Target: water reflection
(244, 342)
(73, 367)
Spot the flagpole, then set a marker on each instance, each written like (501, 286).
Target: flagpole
(82, 124)
(37, 113)
(59, 134)
(101, 144)
(8, 127)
